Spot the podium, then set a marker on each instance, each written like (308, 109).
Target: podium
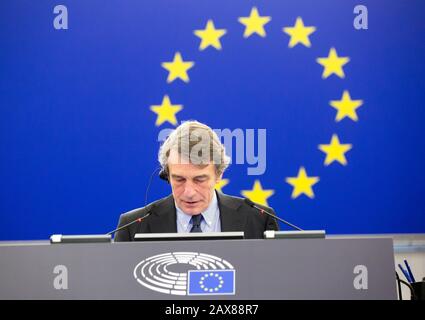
(277, 269)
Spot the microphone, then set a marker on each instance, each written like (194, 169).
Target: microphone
(253, 205)
(149, 184)
(162, 175)
(133, 222)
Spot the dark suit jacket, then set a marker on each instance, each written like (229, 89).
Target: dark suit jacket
(235, 215)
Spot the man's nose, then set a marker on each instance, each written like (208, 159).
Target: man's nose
(189, 190)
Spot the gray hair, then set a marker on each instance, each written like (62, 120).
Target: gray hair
(196, 143)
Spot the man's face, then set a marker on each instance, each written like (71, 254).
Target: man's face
(192, 185)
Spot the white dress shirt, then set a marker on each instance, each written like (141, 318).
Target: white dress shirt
(209, 223)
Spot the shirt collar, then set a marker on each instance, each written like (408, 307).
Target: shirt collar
(208, 214)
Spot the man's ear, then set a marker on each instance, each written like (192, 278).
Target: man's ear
(219, 178)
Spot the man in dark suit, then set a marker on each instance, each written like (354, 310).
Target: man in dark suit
(193, 160)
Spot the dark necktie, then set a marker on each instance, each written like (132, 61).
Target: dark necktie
(196, 223)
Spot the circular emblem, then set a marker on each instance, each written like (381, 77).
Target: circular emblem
(170, 273)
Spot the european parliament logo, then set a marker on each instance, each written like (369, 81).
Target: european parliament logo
(203, 274)
(208, 282)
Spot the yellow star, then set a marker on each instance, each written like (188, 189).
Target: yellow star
(335, 151)
(299, 33)
(177, 68)
(257, 194)
(346, 107)
(302, 184)
(333, 64)
(254, 23)
(166, 111)
(210, 36)
(222, 183)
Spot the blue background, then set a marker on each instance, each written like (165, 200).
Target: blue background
(78, 141)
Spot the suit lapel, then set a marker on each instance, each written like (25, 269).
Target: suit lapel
(163, 218)
(231, 219)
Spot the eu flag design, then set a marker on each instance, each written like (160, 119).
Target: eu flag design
(209, 282)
